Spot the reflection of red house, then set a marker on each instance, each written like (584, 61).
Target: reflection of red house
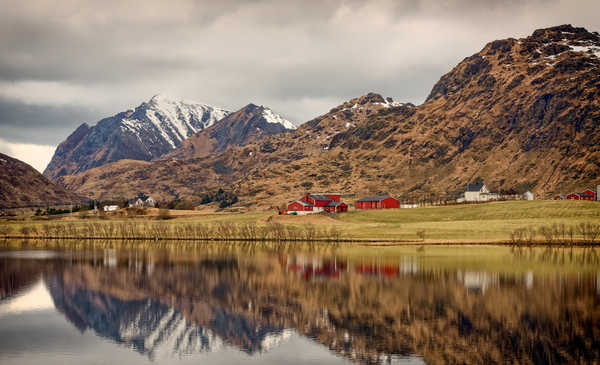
(327, 269)
(377, 202)
(572, 196)
(385, 270)
(329, 202)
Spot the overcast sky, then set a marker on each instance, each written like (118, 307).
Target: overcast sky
(67, 62)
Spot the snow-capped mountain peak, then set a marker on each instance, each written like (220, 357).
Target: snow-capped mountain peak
(150, 130)
(274, 118)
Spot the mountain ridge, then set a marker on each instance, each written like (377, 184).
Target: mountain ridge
(148, 131)
(520, 114)
(247, 125)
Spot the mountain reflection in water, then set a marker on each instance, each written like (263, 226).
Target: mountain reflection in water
(365, 310)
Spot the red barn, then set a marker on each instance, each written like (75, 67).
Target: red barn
(301, 206)
(559, 197)
(318, 200)
(588, 195)
(573, 196)
(316, 203)
(377, 202)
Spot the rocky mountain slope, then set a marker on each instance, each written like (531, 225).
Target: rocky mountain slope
(519, 114)
(152, 129)
(249, 124)
(22, 186)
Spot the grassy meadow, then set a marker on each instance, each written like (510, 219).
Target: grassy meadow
(475, 223)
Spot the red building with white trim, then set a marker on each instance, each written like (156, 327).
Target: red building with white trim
(316, 203)
(377, 202)
(589, 194)
(572, 196)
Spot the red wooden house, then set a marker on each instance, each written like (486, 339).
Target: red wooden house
(589, 194)
(573, 196)
(377, 202)
(301, 206)
(559, 197)
(315, 203)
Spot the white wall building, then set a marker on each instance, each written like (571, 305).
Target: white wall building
(111, 208)
(528, 195)
(477, 193)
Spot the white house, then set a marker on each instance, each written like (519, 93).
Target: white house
(477, 193)
(528, 195)
(111, 208)
(140, 202)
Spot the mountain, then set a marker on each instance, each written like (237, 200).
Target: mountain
(189, 178)
(149, 131)
(520, 114)
(22, 186)
(249, 124)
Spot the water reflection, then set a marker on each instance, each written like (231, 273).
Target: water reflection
(366, 310)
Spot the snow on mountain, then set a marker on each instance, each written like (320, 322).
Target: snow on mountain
(274, 118)
(173, 120)
(151, 130)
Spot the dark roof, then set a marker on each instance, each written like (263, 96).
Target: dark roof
(319, 197)
(375, 198)
(333, 203)
(474, 187)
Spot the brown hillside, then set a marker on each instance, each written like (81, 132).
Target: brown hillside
(22, 186)
(519, 114)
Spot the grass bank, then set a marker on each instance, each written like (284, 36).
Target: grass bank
(478, 223)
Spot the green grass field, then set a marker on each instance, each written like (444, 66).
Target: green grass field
(477, 223)
(468, 223)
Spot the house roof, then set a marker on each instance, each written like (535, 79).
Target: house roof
(374, 198)
(333, 203)
(306, 204)
(319, 197)
(475, 187)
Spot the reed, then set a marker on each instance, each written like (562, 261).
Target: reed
(583, 233)
(161, 230)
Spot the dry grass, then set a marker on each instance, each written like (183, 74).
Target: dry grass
(481, 223)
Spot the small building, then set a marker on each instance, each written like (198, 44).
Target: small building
(336, 207)
(377, 202)
(528, 195)
(572, 196)
(589, 194)
(111, 208)
(559, 197)
(476, 193)
(300, 206)
(142, 202)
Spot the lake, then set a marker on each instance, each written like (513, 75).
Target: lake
(92, 303)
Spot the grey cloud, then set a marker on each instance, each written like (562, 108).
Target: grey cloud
(35, 124)
(295, 56)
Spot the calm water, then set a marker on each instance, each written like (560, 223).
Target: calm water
(282, 306)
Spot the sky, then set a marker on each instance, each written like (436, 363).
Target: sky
(66, 62)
